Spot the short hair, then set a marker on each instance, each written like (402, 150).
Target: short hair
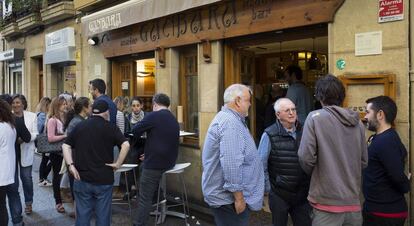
(330, 90)
(276, 105)
(98, 84)
(295, 69)
(161, 99)
(68, 97)
(22, 99)
(234, 91)
(385, 104)
(80, 103)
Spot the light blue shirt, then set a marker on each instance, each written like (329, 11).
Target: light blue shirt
(264, 151)
(231, 162)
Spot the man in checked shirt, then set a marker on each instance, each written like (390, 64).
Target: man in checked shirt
(233, 176)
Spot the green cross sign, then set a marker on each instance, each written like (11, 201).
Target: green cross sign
(340, 64)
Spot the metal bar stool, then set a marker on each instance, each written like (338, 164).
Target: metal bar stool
(126, 168)
(160, 215)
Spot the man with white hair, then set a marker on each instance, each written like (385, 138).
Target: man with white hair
(287, 183)
(233, 179)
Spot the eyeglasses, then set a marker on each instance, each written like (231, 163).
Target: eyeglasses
(290, 110)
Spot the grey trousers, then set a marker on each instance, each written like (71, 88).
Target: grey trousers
(322, 218)
(148, 186)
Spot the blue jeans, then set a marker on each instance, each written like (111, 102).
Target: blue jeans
(13, 196)
(226, 216)
(91, 198)
(300, 213)
(27, 182)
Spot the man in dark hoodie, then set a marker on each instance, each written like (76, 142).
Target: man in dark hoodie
(385, 182)
(333, 150)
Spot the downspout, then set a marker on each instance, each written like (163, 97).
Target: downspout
(3, 69)
(410, 101)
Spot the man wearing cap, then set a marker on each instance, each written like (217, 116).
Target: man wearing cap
(88, 152)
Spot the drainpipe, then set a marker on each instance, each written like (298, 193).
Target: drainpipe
(411, 101)
(3, 69)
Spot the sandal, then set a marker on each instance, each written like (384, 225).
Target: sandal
(28, 209)
(60, 208)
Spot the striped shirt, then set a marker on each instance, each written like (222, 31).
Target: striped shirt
(231, 162)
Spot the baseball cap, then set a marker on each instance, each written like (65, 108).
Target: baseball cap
(99, 106)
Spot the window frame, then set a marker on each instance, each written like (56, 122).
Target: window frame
(185, 53)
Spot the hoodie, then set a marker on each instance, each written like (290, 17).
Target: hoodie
(333, 151)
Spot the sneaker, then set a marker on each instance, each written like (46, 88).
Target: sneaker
(45, 183)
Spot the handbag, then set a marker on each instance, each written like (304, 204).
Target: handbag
(44, 146)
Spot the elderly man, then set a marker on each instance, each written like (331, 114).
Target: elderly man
(92, 165)
(289, 185)
(233, 179)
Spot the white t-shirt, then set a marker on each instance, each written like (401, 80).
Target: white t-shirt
(7, 154)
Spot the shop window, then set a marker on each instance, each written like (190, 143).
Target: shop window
(189, 93)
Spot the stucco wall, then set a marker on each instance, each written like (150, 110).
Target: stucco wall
(209, 80)
(34, 46)
(357, 16)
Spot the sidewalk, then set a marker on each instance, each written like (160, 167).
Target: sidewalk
(44, 213)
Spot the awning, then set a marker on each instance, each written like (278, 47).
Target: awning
(64, 55)
(60, 47)
(133, 12)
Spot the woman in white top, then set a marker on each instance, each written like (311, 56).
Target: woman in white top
(25, 151)
(55, 133)
(7, 156)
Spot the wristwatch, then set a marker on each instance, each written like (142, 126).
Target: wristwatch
(72, 164)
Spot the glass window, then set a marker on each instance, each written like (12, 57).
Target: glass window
(189, 92)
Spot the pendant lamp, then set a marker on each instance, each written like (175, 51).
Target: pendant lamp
(314, 62)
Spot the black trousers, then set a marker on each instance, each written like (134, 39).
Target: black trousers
(56, 161)
(45, 167)
(372, 220)
(300, 213)
(4, 219)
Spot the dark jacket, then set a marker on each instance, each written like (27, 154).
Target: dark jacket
(112, 107)
(287, 179)
(162, 140)
(385, 182)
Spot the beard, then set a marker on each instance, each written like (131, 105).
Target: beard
(372, 125)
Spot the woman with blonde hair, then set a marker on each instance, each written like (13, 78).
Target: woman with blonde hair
(55, 133)
(45, 166)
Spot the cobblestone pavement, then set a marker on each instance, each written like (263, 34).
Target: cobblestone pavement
(44, 213)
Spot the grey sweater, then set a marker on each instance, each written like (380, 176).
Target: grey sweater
(333, 150)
